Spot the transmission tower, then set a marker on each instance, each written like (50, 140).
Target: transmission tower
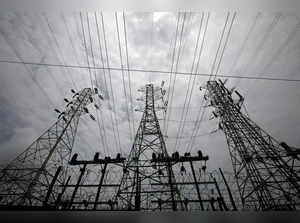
(266, 171)
(26, 180)
(137, 190)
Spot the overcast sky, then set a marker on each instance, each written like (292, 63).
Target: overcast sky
(257, 45)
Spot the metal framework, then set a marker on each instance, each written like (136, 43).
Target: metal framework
(267, 172)
(26, 180)
(136, 191)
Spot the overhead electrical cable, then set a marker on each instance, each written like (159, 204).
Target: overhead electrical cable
(27, 68)
(263, 77)
(172, 63)
(216, 72)
(105, 80)
(189, 82)
(170, 100)
(87, 59)
(112, 92)
(86, 51)
(129, 75)
(123, 77)
(102, 135)
(199, 116)
(59, 49)
(245, 41)
(41, 53)
(198, 62)
(260, 45)
(70, 38)
(282, 47)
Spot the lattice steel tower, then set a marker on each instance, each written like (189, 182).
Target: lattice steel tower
(26, 180)
(267, 172)
(148, 185)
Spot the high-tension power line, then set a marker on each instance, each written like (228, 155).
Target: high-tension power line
(189, 82)
(123, 78)
(105, 78)
(103, 138)
(201, 111)
(110, 82)
(263, 77)
(129, 75)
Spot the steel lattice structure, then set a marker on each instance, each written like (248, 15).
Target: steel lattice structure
(26, 180)
(137, 190)
(267, 173)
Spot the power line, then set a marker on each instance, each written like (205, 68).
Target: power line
(217, 70)
(267, 77)
(86, 51)
(151, 45)
(279, 51)
(200, 117)
(105, 81)
(189, 83)
(225, 44)
(103, 137)
(267, 36)
(124, 87)
(59, 48)
(242, 48)
(30, 71)
(50, 72)
(87, 59)
(129, 78)
(70, 38)
(170, 100)
(112, 94)
(36, 46)
(218, 67)
(172, 61)
(261, 44)
(198, 62)
(189, 136)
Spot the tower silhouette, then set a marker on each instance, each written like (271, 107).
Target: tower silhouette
(26, 179)
(147, 184)
(266, 171)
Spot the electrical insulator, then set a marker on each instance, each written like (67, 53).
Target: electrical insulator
(182, 169)
(200, 154)
(100, 96)
(153, 156)
(86, 110)
(118, 156)
(96, 157)
(74, 158)
(176, 155)
(92, 117)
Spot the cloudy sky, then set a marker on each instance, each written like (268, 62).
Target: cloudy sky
(257, 45)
